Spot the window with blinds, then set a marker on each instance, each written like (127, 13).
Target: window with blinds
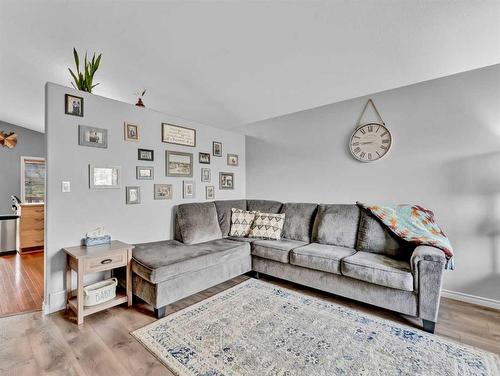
(32, 180)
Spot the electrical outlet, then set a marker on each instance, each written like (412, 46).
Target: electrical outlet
(66, 186)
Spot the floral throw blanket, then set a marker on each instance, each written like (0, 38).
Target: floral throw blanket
(414, 224)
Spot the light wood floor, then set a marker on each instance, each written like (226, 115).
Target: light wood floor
(21, 283)
(33, 344)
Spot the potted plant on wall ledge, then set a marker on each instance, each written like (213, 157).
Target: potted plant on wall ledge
(84, 80)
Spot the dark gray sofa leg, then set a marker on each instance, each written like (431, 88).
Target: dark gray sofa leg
(160, 312)
(256, 275)
(429, 326)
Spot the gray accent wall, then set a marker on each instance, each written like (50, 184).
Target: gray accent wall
(445, 156)
(71, 215)
(29, 144)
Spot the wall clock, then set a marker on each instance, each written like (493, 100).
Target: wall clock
(370, 141)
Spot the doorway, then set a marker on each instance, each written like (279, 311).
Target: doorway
(22, 242)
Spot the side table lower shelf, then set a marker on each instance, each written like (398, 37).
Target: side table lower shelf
(120, 298)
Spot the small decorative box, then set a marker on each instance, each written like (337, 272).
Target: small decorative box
(105, 239)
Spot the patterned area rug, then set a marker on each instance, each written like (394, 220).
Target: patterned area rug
(257, 328)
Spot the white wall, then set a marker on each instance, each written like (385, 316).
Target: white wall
(445, 156)
(29, 144)
(70, 215)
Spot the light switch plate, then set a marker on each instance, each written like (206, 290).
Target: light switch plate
(66, 186)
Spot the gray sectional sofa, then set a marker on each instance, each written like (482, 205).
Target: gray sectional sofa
(341, 249)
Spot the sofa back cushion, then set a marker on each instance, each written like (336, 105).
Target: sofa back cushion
(299, 220)
(264, 206)
(224, 213)
(336, 224)
(198, 222)
(375, 237)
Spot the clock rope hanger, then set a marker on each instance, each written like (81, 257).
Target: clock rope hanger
(370, 141)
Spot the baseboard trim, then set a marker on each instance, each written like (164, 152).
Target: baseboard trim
(57, 302)
(473, 299)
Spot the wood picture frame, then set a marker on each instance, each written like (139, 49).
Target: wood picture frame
(217, 149)
(92, 137)
(104, 177)
(131, 132)
(204, 158)
(144, 173)
(178, 164)
(163, 191)
(226, 180)
(178, 135)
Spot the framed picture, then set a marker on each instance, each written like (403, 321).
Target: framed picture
(210, 192)
(93, 137)
(217, 149)
(226, 180)
(144, 173)
(188, 189)
(73, 105)
(175, 134)
(133, 195)
(204, 158)
(163, 191)
(206, 175)
(145, 155)
(232, 159)
(179, 164)
(131, 132)
(104, 177)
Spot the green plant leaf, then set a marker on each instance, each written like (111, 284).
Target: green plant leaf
(77, 60)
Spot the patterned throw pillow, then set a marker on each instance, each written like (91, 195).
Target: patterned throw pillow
(241, 221)
(267, 226)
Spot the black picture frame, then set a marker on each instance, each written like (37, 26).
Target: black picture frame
(200, 155)
(148, 151)
(66, 107)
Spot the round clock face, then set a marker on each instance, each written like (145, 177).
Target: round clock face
(370, 142)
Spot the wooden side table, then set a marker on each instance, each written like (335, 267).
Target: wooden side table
(85, 260)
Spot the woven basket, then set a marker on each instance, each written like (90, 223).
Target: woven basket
(99, 292)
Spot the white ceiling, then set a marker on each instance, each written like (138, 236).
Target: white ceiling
(231, 63)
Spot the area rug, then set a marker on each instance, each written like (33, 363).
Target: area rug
(257, 328)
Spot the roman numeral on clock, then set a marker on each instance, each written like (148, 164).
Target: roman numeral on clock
(362, 131)
(383, 147)
(362, 155)
(385, 141)
(357, 150)
(370, 128)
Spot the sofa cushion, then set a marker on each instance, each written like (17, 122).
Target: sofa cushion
(264, 206)
(378, 269)
(299, 219)
(159, 261)
(322, 257)
(336, 225)
(198, 222)
(267, 226)
(276, 250)
(241, 222)
(374, 237)
(224, 213)
(242, 239)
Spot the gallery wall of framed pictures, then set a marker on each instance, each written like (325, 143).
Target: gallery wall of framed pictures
(181, 169)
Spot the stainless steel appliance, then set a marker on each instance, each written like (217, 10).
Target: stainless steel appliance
(8, 228)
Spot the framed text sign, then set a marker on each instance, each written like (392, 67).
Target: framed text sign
(175, 134)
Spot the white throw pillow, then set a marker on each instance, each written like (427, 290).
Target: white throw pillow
(241, 221)
(267, 226)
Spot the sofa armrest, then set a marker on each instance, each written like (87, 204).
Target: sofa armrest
(427, 265)
(427, 253)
